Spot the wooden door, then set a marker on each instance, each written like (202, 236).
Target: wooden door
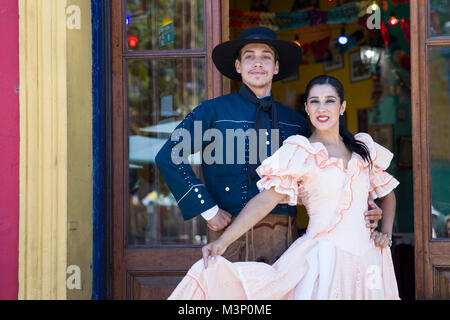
(161, 70)
(430, 57)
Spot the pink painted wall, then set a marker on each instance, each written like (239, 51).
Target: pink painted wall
(9, 148)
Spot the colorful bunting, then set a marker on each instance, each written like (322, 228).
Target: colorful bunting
(292, 20)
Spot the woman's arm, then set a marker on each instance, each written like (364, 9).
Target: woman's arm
(256, 209)
(388, 203)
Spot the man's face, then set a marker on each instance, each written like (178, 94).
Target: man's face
(257, 66)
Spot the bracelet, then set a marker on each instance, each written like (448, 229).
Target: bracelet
(389, 238)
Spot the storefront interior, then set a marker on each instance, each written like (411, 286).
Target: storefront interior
(365, 44)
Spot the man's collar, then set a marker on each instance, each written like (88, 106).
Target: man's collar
(248, 94)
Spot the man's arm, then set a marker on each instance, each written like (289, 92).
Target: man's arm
(190, 193)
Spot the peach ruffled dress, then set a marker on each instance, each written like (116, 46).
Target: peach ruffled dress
(335, 259)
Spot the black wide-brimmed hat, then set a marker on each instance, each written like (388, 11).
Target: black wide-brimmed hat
(290, 54)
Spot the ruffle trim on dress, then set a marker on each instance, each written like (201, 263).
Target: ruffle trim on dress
(283, 185)
(317, 150)
(382, 185)
(344, 206)
(381, 182)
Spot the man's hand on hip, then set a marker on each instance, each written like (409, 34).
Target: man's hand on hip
(220, 220)
(373, 215)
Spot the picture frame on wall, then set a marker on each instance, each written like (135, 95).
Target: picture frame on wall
(336, 63)
(383, 134)
(358, 70)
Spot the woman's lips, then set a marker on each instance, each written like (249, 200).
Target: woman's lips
(322, 119)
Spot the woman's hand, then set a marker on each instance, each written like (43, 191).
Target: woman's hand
(211, 250)
(382, 240)
(256, 209)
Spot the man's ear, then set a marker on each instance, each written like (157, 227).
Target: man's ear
(237, 65)
(277, 67)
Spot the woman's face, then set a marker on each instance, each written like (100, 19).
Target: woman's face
(324, 107)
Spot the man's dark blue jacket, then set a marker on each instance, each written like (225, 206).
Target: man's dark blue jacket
(226, 185)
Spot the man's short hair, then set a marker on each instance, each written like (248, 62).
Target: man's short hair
(276, 56)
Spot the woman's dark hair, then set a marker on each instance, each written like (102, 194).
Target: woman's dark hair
(349, 140)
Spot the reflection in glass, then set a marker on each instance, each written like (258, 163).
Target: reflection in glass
(439, 18)
(439, 77)
(164, 24)
(160, 94)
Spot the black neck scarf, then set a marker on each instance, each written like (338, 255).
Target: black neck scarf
(265, 105)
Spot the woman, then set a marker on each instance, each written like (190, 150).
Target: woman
(332, 174)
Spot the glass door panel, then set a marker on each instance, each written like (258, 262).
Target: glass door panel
(439, 117)
(164, 24)
(160, 94)
(439, 18)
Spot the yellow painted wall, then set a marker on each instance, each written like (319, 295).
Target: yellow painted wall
(55, 149)
(43, 150)
(79, 135)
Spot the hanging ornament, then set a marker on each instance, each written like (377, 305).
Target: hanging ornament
(385, 33)
(320, 47)
(385, 5)
(393, 21)
(406, 28)
(317, 17)
(353, 41)
(374, 6)
(343, 39)
(305, 49)
(132, 40)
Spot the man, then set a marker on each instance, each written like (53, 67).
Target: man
(257, 58)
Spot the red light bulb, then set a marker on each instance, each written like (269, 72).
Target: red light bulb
(393, 21)
(132, 41)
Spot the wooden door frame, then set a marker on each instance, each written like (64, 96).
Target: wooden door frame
(117, 129)
(429, 254)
